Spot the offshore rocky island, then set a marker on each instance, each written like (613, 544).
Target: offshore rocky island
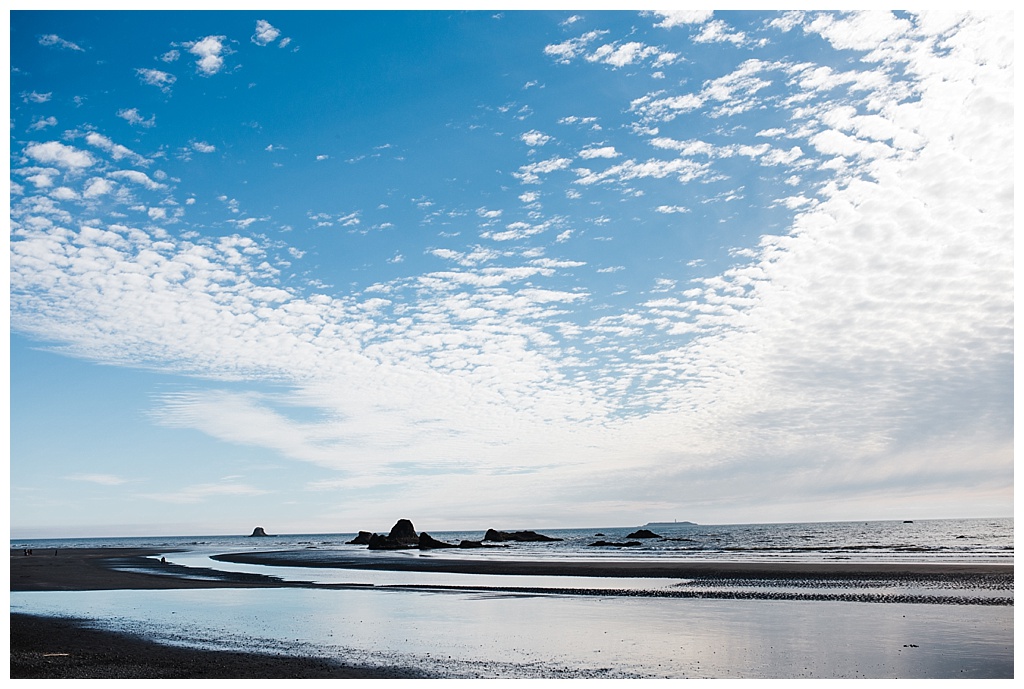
(403, 536)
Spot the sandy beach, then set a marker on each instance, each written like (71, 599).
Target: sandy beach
(53, 648)
(61, 647)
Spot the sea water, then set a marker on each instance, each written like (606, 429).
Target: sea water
(980, 541)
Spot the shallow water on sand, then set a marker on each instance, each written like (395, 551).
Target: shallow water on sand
(462, 634)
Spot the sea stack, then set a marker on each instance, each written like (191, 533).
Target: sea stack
(258, 531)
(403, 535)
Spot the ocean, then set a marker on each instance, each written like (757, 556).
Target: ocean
(920, 541)
(503, 626)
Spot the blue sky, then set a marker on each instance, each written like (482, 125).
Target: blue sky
(318, 271)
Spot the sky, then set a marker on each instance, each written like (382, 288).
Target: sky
(318, 271)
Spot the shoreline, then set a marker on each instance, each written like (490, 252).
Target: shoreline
(653, 568)
(68, 647)
(96, 569)
(65, 648)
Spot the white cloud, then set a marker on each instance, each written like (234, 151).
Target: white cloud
(60, 154)
(136, 177)
(116, 151)
(41, 181)
(718, 32)
(154, 77)
(43, 123)
(666, 109)
(203, 147)
(685, 170)
(567, 50)
(97, 186)
(209, 53)
(64, 194)
(534, 138)
(602, 152)
(530, 174)
(622, 55)
(34, 97)
(265, 33)
(859, 30)
(56, 41)
(670, 18)
(615, 54)
(132, 116)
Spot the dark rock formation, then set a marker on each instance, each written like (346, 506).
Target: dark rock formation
(362, 539)
(643, 533)
(478, 544)
(403, 532)
(427, 542)
(521, 536)
(378, 542)
(627, 544)
(259, 532)
(402, 537)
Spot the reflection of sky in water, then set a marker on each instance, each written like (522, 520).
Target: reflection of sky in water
(328, 575)
(470, 634)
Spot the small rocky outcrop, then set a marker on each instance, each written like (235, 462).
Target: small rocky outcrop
(628, 544)
(643, 533)
(362, 539)
(520, 536)
(402, 536)
(478, 544)
(258, 532)
(428, 542)
(378, 542)
(404, 532)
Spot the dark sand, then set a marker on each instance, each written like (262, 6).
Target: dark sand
(61, 648)
(55, 648)
(671, 569)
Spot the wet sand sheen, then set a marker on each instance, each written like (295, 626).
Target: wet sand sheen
(653, 568)
(93, 570)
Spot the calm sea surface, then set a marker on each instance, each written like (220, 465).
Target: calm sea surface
(933, 540)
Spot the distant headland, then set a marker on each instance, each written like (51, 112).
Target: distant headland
(664, 524)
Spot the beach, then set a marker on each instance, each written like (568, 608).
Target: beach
(52, 648)
(792, 637)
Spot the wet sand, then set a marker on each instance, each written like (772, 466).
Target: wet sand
(652, 568)
(63, 648)
(93, 569)
(56, 648)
